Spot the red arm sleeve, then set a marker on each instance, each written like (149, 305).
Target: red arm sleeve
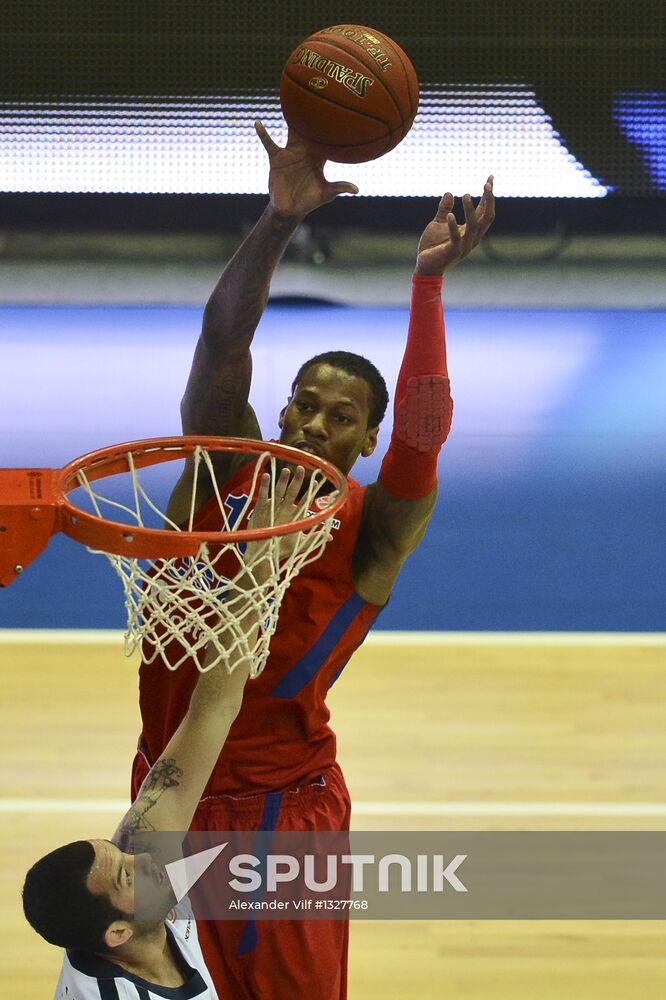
(423, 407)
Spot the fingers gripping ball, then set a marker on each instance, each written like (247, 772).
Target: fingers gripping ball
(350, 92)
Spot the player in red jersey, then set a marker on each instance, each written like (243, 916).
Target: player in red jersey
(282, 775)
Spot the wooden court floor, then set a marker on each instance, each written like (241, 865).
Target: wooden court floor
(467, 733)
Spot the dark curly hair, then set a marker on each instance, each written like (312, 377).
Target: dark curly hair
(353, 364)
(58, 904)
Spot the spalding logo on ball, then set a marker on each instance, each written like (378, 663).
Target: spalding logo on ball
(350, 92)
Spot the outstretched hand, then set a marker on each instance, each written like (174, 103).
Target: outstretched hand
(282, 507)
(296, 183)
(444, 243)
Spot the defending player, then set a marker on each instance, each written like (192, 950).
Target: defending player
(286, 776)
(81, 896)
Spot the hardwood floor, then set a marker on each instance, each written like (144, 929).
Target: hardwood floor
(464, 728)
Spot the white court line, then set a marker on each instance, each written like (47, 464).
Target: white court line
(380, 808)
(62, 636)
(110, 637)
(516, 639)
(453, 809)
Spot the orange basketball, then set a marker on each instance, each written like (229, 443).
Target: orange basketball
(350, 92)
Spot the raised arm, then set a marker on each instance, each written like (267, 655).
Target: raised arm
(400, 503)
(172, 788)
(216, 396)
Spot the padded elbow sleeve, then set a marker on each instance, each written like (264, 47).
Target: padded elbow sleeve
(423, 407)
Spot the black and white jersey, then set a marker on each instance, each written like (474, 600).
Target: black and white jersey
(85, 976)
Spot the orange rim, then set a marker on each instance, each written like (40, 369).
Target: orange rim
(139, 542)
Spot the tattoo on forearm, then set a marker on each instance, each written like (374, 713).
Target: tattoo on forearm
(164, 775)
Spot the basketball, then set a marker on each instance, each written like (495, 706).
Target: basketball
(350, 92)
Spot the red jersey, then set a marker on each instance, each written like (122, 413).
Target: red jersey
(281, 736)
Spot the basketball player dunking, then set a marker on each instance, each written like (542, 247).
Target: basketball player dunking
(278, 768)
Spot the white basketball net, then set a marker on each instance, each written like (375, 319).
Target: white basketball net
(198, 608)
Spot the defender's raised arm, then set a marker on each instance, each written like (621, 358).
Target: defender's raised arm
(172, 788)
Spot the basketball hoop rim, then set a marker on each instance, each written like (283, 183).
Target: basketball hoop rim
(140, 542)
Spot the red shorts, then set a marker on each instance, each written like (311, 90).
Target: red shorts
(276, 959)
